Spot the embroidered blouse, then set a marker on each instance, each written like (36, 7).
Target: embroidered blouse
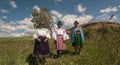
(44, 32)
(60, 31)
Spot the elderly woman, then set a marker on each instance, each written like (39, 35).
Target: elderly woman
(77, 37)
(59, 35)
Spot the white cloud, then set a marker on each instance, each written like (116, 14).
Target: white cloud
(4, 11)
(84, 19)
(113, 19)
(6, 27)
(119, 6)
(54, 19)
(17, 34)
(27, 28)
(9, 28)
(21, 27)
(13, 4)
(105, 17)
(12, 27)
(25, 25)
(81, 9)
(12, 23)
(56, 13)
(109, 9)
(58, 0)
(36, 7)
(27, 22)
(5, 34)
(69, 19)
(4, 17)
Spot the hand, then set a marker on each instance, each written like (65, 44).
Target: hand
(39, 40)
(55, 41)
(64, 41)
(45, 40)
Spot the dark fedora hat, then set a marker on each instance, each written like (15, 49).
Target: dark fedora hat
(76, 22)
(59, 23)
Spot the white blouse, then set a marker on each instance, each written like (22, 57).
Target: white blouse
(41, 32)
(59, 32)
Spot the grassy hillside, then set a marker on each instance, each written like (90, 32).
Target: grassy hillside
(102, 47)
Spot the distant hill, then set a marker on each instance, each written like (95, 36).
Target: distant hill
(101, 28)
(97, 25)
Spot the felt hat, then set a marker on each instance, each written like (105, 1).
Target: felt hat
(59, 23)
(76, 22)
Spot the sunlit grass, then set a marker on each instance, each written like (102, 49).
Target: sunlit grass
(101, 47)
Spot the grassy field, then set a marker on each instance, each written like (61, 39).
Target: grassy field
(101, 47)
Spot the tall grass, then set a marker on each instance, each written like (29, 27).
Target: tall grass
(101, 47)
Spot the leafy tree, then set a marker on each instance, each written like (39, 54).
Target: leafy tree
(42, 18)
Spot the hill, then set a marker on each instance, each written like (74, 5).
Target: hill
(101, 47)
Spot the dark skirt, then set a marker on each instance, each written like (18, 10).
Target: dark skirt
(78, 40)
(41, 48)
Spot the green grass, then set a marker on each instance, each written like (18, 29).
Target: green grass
(101, 47)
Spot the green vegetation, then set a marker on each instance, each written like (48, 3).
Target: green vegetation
(41, 18)
(102, 47)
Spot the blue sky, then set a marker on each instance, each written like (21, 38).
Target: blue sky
(15, 15)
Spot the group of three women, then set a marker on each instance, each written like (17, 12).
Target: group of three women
(41, 47)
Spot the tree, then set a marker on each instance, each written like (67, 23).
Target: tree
(42, 18)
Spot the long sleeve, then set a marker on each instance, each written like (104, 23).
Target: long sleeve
(48, 34)
(65, 36)
(54, 35)
(73, 34)
(35, 34)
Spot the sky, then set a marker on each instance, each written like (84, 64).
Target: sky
(15, 15)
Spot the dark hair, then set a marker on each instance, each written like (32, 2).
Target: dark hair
(59, 23)
(76, 22)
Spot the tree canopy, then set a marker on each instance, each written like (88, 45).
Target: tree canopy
(41, 18)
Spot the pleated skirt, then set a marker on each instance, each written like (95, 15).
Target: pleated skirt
(59, 44)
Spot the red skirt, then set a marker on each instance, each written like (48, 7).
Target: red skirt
(59, 44)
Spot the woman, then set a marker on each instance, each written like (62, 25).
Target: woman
(77, 37)
(41, 47)
(59, 35)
